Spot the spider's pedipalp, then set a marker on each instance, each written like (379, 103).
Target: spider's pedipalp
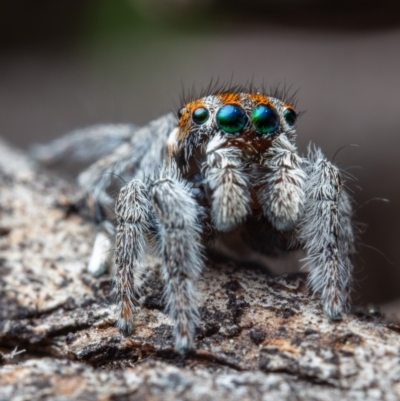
(101, 256)
(181, 252)
(228, 184)
(133, 213)
(281, 180)
(326, 232)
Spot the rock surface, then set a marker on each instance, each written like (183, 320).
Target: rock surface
(260, 337)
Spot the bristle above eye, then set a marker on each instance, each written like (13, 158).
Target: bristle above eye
(283, 93)
(215, 87)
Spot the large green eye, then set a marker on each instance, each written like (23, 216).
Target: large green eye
(265, 119)
(231, 118)
(290, 116)
(200, 115)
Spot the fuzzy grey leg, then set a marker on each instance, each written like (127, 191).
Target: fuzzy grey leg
(227, 183)
(181, 253)
(281, 181)
(95, 180)
(326, 231)
(84, 145)
(133, 213)
(138, 158)
(143, 154)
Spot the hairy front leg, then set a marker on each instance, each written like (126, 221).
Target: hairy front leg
(326, 231)
(280, 182)
(181, 252)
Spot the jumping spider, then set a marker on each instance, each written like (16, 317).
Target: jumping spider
(227, 162)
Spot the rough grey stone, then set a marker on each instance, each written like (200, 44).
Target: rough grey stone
(260, 338)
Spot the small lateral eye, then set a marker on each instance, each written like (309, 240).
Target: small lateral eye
(231, 118)
(290, 116)
(265, 119)
(181, 111)
(200, 115)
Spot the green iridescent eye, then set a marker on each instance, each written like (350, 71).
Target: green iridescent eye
(290, 116)
(200, 115)
(265, 119)
(231, 118)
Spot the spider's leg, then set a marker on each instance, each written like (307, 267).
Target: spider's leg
(181, 252)
(84, 145)
(138, 158)
(227, 183)
(134, 213)
(326, 231)
(280, 181)
(94, 183)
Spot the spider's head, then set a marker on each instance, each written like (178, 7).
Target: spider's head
(249, 121)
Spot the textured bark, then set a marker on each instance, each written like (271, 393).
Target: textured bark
(260, 337)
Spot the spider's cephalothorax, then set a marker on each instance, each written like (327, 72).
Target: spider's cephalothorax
(227, 162)
(224, 139)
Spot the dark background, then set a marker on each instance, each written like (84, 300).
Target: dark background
(67, 64)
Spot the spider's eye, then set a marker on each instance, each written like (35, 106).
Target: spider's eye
(180, 112)
(200, 115)
(231, 118)
(290, 116)
(265, 119)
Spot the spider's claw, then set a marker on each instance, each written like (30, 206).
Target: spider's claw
(125, 326)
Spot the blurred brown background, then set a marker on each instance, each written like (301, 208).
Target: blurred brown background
(70, 63)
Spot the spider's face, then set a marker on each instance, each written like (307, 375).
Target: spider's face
(249, 121)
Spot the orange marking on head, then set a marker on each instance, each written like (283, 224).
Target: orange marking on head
(289, 106)
(259, 98)
(229, 97)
